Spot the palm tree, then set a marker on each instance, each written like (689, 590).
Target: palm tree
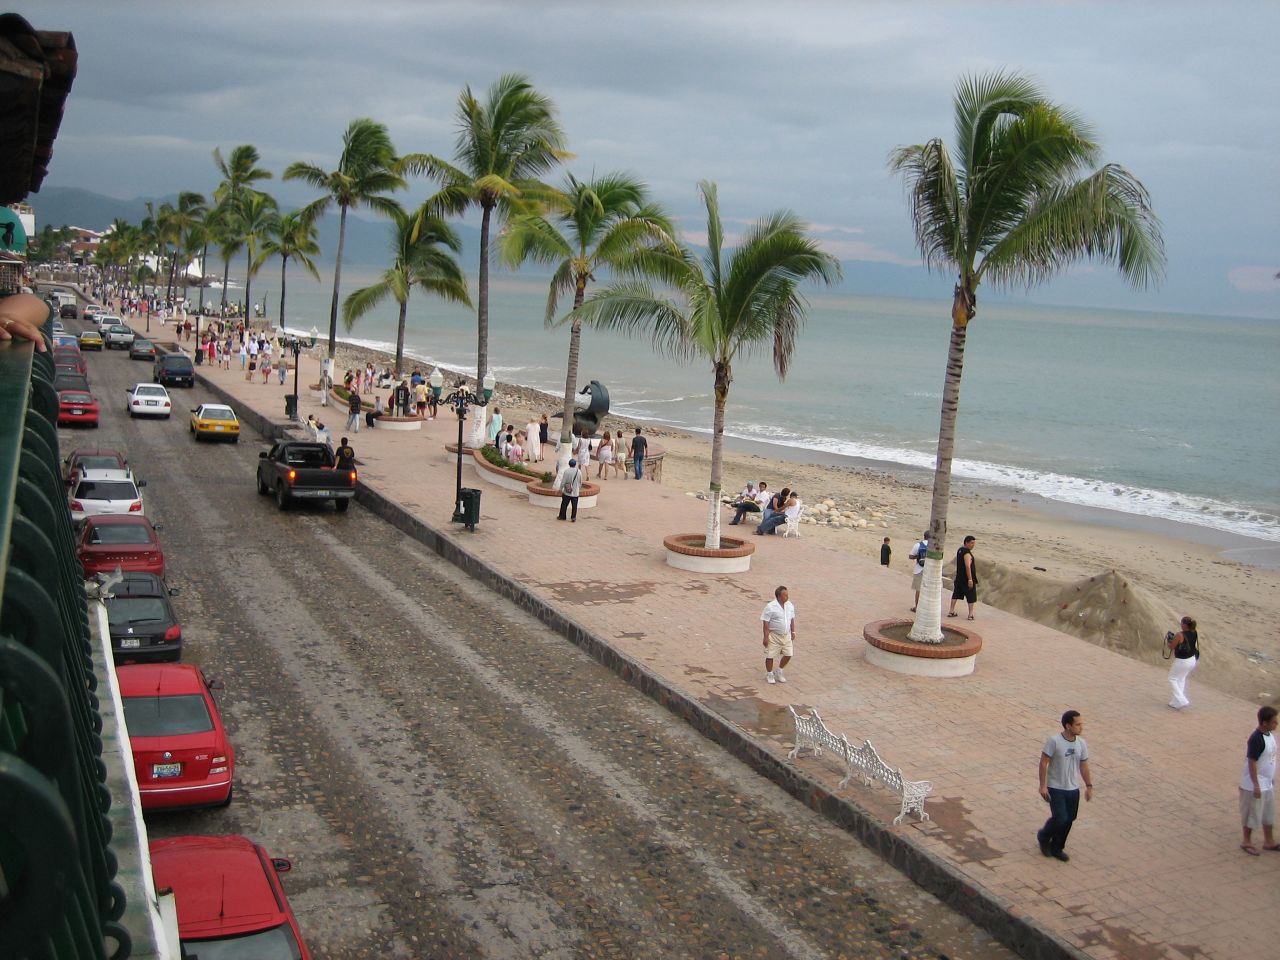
(240, 171)
(366, 171)
(504, 144)
(187, 216)
(739, 305)
(291, 237)
(254, 213)
(593, 225)
(1021, 204)
(222, 233)
(423, 255)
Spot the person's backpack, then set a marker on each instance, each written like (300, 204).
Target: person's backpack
(918, 551)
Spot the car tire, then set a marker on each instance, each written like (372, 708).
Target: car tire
(342, 505)
(283, 499)
(231, 792)
(263, 489)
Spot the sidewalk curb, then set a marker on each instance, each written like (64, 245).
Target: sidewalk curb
(1028, 938)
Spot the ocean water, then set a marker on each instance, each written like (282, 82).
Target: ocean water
(1163, 415)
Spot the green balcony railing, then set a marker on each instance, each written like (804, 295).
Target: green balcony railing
(59, 893)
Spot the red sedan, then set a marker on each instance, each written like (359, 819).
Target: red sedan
(228, 894)
(124, 540)
(181, 754)
(77, 409)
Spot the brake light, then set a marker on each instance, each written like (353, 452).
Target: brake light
(135, 507)
(173, 633)
(353, 476)
(77, 505)
(293, 475)
(218, 769)
(166, 403)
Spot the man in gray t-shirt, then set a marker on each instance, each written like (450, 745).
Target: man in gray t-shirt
(1064, 765)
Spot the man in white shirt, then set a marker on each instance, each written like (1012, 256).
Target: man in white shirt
(1258, 784)
(917, 575)
(1064, 764)
(779, 623)
(750, 500)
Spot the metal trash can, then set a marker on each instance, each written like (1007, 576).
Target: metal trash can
(199, 356)
(467, 510)
(291, 406)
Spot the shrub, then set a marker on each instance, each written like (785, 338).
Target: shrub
(498, 460)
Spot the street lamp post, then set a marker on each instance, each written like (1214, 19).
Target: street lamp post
(295, 347)
(461, 400)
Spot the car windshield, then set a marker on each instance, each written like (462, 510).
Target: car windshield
(278, 943)
(176, 363)
(98, 462)
(145, 391)
(217, 413)
(141, 344)
(76, 398)
(106, 490)
(167, 716)
(122, 611)
(119, 329)
(120, 533)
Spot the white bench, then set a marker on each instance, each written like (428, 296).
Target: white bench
(813, 737)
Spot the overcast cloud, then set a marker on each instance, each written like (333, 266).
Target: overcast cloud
(782, 104)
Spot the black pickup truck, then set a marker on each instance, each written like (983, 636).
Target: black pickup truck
(297, 470)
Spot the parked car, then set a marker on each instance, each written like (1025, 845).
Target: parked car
(71, 359)
(117, 335)
(296, 470)
(90, 340)
(148, 400)
(58, 327)
(142, 349)
(144, 628)
(127, 541)
(66, 340)
(69, 378)
(92, 458)
(99, 492)
(215, 421)
(227, 890)
(77, 409)
(175, 369)
(181, 754)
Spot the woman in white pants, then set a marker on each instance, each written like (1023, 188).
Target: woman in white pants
(1186, 654)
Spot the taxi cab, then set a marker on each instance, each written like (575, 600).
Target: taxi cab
(91, 340)
(215, 421)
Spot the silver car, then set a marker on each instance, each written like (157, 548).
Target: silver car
(117, 335)
(99, 492)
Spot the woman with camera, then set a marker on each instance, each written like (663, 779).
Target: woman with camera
(1186, 654)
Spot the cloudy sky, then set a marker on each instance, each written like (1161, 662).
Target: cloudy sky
(782, 104)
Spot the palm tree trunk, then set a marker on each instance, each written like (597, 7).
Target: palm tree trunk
(173, 268)
(226, 270)
(723, 379)
(284, 265)
(404, 313)
(248, 287)
(480, 411)
(337, 283)
(928, 625)
(571, 377)
(204, 255)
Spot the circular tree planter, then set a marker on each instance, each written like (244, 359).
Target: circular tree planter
(385, 422)
(317, 391)
(507, 479)
(888, 647)
(546, 496)
(686, 551)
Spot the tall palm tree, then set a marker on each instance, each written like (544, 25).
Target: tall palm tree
(423, 253)
(185, 217)
(505, 143)
(366, 172)
(740, 304)
(240, 171)
(591, 225)
(1018, 203)
(254, 213)
(291, 237)
(221, 224)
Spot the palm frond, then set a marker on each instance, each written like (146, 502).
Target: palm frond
(361, 301)
(634, 310)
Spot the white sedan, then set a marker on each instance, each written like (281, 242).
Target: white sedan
(149, 400)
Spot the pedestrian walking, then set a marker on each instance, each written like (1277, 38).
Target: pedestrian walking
(639, 444)
(353, 412)
(570, 485)
(1185, 648)
(917, 575)
(778, 621)
(344, 456)
(886, 551)
(1064, 764)
(1258, 784)
(966, 579)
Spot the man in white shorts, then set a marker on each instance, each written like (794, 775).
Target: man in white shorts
(779, 623)
(1258, 784)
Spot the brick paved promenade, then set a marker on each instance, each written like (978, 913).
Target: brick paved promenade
(1156, 869)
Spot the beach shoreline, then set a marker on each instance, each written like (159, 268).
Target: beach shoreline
(1036, 549)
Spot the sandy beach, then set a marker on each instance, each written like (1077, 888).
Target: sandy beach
(1117, 585)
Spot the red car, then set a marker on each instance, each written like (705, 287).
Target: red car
(124, 540)
(77, 409)
(229, 898)
(71, 359)
(181, 753)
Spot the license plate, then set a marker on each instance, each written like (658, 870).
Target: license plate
(76, 413)
(128, 643)
(322, 493)
(219, 428)
(152, 403)
(162, 770)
